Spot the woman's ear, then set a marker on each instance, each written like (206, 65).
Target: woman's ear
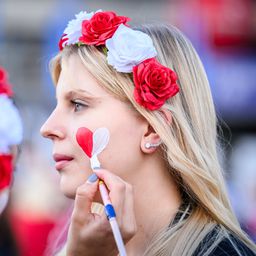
(150, 140)
(167, 115)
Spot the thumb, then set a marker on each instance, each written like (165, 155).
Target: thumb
(84, 196)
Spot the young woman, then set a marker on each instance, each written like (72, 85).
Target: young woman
(148, 87)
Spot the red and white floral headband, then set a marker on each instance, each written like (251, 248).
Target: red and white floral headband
(128, 51)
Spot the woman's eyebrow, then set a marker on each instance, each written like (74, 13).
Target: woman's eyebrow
(79, 92)
(83, 91)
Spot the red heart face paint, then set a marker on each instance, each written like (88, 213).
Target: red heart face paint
(84, 138)
(92, 143)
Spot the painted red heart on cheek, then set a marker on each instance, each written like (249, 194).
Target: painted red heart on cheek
(84, 138)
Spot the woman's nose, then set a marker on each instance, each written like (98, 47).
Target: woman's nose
(52, 128)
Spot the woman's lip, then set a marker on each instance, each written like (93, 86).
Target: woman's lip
(61, 160)
(61, 157)
(61, 164)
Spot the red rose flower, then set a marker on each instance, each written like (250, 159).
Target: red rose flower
(5, 171)
(101, 27)
(62, 41)
(5, 87)
(154, 84)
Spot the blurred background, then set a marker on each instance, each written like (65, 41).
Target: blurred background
(222, 31)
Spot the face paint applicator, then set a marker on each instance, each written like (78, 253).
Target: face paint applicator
(93, 143)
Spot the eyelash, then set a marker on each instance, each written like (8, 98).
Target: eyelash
(77, 104)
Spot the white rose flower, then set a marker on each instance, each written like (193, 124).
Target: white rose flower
(74, 27)
(127, 48)
(10, 126)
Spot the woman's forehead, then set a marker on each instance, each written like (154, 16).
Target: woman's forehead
(75, 77)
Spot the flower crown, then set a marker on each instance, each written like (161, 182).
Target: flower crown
(128, 51)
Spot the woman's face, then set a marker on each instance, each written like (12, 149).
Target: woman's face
(82, 102)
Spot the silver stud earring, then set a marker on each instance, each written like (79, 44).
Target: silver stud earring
(149, 145)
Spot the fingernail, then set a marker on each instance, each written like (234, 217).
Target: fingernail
(92, 178)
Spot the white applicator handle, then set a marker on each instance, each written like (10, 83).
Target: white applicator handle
(112, 218)
(117, 236)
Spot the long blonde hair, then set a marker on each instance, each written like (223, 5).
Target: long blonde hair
(189, 143)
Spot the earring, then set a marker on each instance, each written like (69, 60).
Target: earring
(149, 145)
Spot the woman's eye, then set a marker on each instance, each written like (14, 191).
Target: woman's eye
(78, 106)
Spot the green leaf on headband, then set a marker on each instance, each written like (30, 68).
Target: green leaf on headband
(105, 50)
(80, 43)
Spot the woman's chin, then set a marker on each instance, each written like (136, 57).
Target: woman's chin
(68, 189)
(68, 194)
(70, 181)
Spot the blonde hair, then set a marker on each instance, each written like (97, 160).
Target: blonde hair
(189, 143)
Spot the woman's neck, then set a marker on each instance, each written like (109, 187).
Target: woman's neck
(156, 199)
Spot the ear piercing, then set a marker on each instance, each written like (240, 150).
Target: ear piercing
(149, 145)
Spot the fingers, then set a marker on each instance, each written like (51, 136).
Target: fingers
(116, 187)
(91, 233)
(121, 195)
(83, 201)
(112, 181)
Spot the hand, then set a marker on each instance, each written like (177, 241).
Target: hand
(90, 234)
